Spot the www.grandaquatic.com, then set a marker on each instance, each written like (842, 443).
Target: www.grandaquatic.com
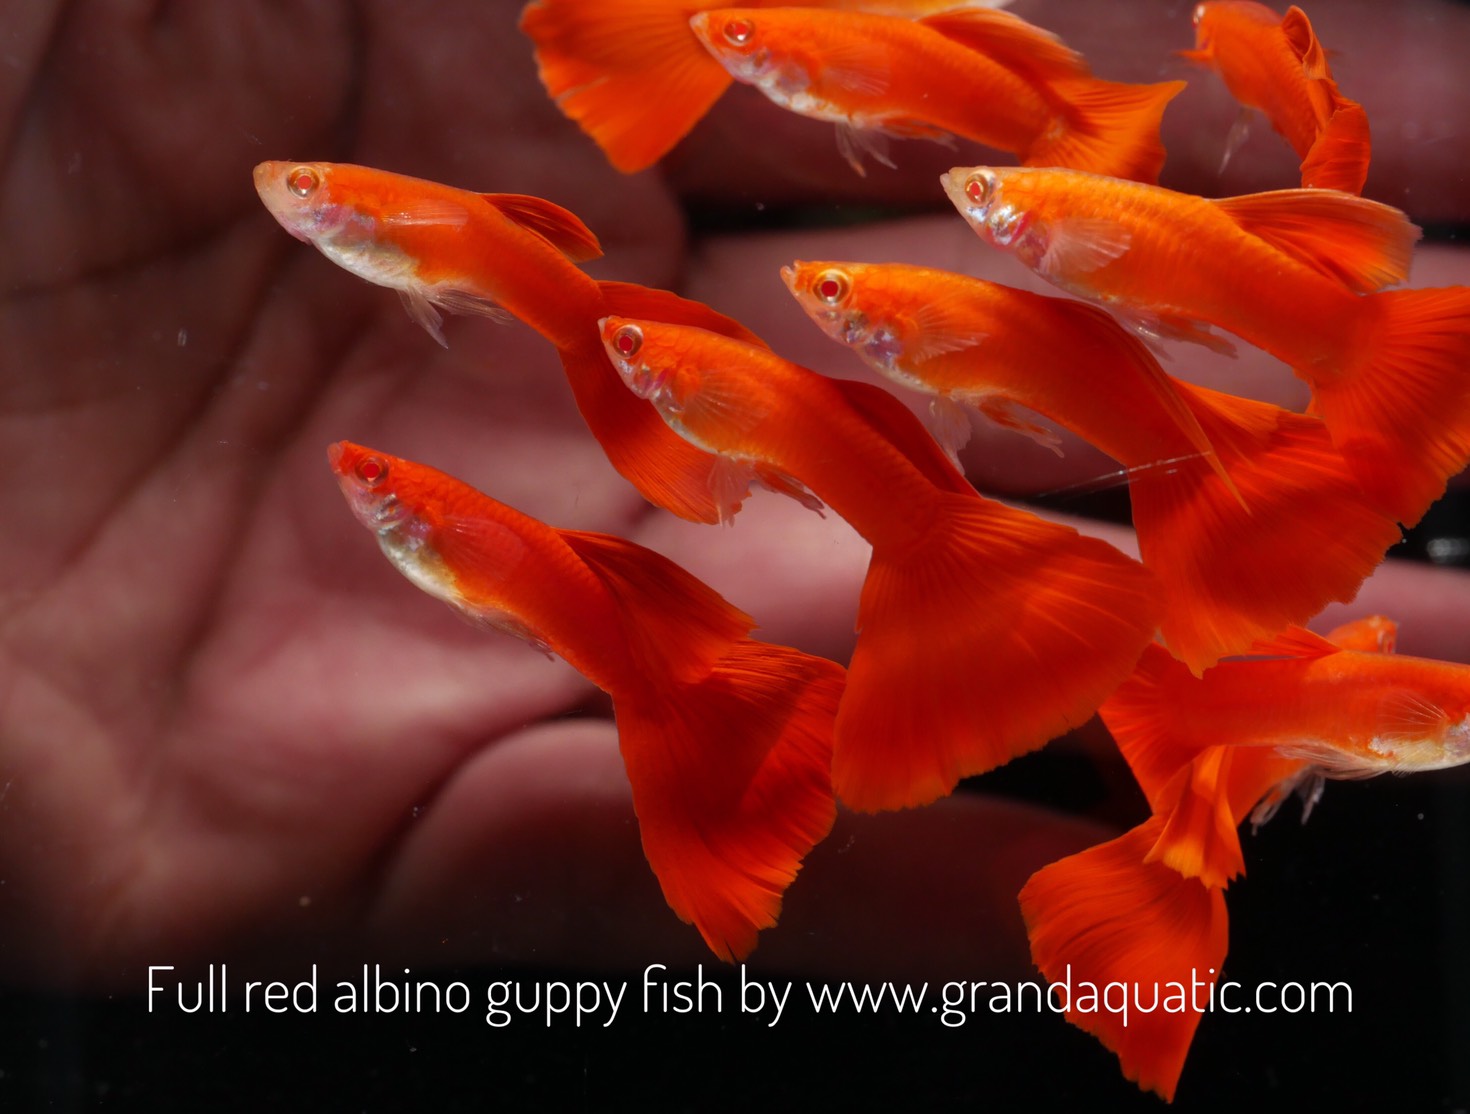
(660, 991)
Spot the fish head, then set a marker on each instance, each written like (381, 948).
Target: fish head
(752, 44)
(646, 370)
(1206, 18)
(301, 198)
(978, 192)
(874, 309)
(1212, 16)
(1005, 213)
(370, 481)
(828, 291)
(401, 503)
(342, 211)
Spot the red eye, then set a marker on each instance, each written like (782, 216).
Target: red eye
(738, 32)
(371, 470)
(980, 189)
(303, 180)
(831, 287)
(627, 340)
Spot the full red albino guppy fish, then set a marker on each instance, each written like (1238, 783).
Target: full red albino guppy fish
(983, 631)
(633, 75)
(1275, 63)
(1148, 907)
(493, 254)
(985, 75)
(1245, 513)
(1295, 272)
(727, 741)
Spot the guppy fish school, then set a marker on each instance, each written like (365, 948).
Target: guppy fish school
(983, 631)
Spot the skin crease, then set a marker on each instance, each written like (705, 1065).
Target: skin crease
(228, 729)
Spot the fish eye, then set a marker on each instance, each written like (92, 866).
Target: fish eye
(738, 32)
(831, 287)
(372, 470)
(303, 180)
(980, 188)
(1199, 14)
(627, 340)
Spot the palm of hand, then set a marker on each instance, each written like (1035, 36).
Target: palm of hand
(220, 707)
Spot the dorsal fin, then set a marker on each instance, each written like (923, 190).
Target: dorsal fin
(1303, 41)
(561, 228)
(1295, 642)
(1373, 634)
(1010, 41)
(1363, 244)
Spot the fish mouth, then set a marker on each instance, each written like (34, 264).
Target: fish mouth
(270, 184)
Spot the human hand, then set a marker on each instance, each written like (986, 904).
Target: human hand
(230, 730)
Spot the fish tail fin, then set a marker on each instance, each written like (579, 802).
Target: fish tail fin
(1199, 838)
(994, 634)
(1338, 158)
(666, 469)
(1197, 787)
(1109, 918)
(1106, 127)
(1400, 414)
(1233, 570)
(1205, 801)
(1143, 716)
(731, 779)
(631, 74)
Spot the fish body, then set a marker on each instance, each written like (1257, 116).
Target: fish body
(449, 249)
(633, 75)
(983, 631)
(990, 346)
(430, 242)
(1275, 64)
(984, 75)
(727, 741)
(1298, 273)
(1148, 907)
(1352, 713)
(1248, 517)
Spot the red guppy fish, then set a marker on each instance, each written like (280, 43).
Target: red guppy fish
(1148, 907)
(1275, 63)
(633, 75)
(985, 75)
(1298, 273)
(983, 631)
(727, 741)
(1246, 515)
(497, 255)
